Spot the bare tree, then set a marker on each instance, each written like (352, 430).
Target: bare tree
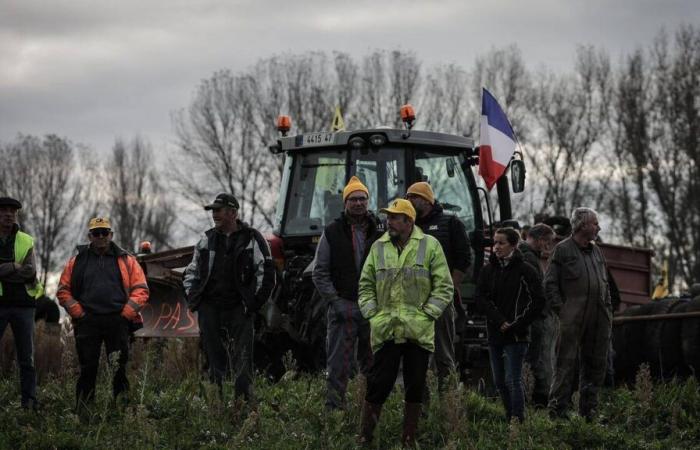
(628, 122)
(446, 104)
(388, 81)
(503, 73)
(136, 198)
(569, 112)
(222, 142)
(45, 175)
(673, 157)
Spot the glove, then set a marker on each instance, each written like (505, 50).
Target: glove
(76, 311)
(129, 313)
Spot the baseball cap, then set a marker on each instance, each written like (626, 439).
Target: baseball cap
(11, 202)
(400, 206)
(223, 200)
(99, 222)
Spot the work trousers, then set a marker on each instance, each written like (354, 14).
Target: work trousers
(21, 321)
(541, 355)
(385, 368)
(90, 333)
(584, 336)
(444, 355)
(347, 333)
(507, 368)
(227, 337)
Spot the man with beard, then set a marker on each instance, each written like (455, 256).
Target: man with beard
(576, 286)
(404, 288)
(340, 254)
(451, 234)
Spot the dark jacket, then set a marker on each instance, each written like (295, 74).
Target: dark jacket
(509, 294)
(336, 271)
(533, 257)
(577, 275)
(254, 273)
(451, 234)
(131, 289)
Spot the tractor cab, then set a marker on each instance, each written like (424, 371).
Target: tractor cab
(317, 167)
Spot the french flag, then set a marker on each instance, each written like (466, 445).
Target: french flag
(497, 140)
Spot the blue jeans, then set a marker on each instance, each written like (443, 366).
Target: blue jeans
(507, 368)
(21, 320)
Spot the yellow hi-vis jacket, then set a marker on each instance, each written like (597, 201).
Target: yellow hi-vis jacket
(23, 244)
(403, 294)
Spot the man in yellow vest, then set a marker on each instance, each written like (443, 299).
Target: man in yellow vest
(404, 288)
(18, 290)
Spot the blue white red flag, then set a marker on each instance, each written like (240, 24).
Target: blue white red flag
(497, 140)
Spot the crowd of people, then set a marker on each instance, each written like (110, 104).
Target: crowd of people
(392, 291)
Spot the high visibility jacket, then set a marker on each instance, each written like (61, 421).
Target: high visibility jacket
(403, 294)
(133, 281)
(23, 244)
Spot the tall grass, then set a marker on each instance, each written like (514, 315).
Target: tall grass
(172, 406)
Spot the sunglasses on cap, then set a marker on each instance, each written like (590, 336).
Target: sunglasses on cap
(100, 232)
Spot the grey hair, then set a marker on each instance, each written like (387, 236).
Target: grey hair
(580, 216)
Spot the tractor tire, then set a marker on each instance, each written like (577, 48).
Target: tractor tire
(690, 337)
(665, 349)
(629, 342)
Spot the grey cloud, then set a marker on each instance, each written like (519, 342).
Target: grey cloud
(96, 70)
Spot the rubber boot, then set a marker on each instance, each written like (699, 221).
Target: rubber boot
(411, 415)
(370, 418)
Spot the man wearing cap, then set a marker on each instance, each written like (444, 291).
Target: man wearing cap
(230, 277)
(404, 288)
(340, 254)
(102, 288)
(451, 234)
(18, 290)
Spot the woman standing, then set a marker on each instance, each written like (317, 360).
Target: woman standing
(509, 292)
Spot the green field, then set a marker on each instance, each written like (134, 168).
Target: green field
(171, 407)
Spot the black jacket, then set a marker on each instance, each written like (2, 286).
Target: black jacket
(254, 273)
(509, 294)
(451, 234)
(343, 268)
(532, 257)
(104, 293)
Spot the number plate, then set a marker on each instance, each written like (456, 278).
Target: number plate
(318, 139)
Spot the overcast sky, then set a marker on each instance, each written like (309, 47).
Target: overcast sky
(94, 70)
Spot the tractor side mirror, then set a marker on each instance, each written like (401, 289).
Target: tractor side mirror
(517, 175)
(450, 166)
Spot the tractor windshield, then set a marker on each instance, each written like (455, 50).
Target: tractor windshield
(314, 183)
(449, 182)
(317, 180)
(316, 189)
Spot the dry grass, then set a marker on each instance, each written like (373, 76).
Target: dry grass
(644, 386)
(49, 360)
